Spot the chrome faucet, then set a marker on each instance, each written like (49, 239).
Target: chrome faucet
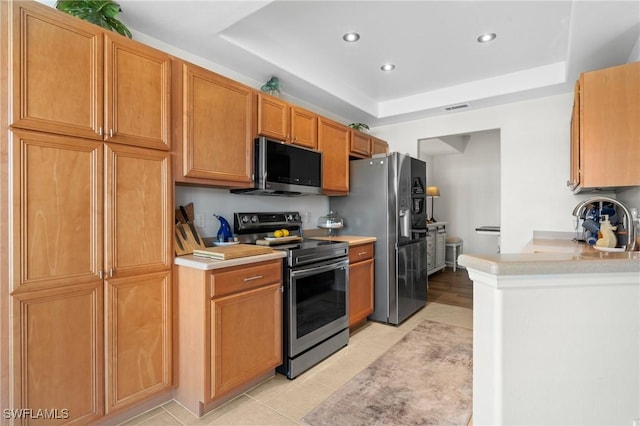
(578, 211)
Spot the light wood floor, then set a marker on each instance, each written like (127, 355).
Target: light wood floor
(451, 288)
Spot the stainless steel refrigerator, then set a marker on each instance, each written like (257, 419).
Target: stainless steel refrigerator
(387, 199)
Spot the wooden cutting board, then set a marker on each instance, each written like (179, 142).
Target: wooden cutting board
(232, 252)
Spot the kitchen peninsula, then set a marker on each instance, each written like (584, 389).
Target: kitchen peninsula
(556, 337)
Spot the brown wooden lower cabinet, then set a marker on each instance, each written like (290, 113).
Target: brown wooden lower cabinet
(230, 328)
(58, 354)
(138, 338)
(360, 283)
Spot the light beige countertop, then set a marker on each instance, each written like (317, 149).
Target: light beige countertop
(553, 254)
(206, 264)
(353, 240)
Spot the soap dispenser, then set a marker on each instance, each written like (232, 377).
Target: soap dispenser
(224, 233)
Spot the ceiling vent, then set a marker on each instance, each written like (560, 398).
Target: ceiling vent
(454, 107)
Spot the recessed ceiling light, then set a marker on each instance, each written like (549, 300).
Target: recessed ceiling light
(387, 67)
(486, 37)
(351, 37)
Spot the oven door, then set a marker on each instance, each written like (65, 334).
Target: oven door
(317, 303)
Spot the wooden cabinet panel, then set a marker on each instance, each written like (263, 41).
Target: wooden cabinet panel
(138, 94)
(360, 291)
(138, 338)
(124, 98)
(609, 136)
(139, 211)
(361, 275)
(360, 144)
(304, 128)
(58, 352)
(378, 146)
(273, 117)
(286, 122)
(246, 277)
(56, 57)
(246, 337)
(215, 128)
(333, 142)
(58, 213)
(574, 179)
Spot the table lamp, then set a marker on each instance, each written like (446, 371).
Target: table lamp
(432, 192)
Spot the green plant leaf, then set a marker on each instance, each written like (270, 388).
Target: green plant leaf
(99, 12)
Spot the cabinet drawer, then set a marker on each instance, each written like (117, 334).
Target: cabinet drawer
(360, 253)
(245, 277)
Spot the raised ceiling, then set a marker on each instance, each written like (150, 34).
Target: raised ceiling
(540, 49)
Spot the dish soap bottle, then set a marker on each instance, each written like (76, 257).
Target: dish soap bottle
(224, 233)
(608, 237)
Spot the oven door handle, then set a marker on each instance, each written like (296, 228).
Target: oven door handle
(320, 269)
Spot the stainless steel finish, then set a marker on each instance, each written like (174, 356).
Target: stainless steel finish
(320, 269)
(100, 131)
(100, 274)
(380, 204)
(317, 256)
(307, 360)
(578, 211)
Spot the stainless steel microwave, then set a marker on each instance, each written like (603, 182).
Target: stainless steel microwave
(284, 169)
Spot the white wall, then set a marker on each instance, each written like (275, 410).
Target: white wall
(469, 185)
(534, 158)
(207, 201)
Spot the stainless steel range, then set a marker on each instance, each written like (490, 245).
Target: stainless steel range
(316, 289)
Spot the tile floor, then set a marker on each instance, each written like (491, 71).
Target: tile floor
(279, 401)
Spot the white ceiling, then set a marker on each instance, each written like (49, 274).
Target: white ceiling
(540, 49)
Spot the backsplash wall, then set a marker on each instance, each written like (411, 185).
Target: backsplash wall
(207, 201)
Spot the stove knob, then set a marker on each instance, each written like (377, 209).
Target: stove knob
(244, 219)
(254, 219)
(296, 217)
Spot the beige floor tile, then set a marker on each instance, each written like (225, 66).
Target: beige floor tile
(298, 398)
(162, 419)
(143, 417)
(248, 411)
(183, 415)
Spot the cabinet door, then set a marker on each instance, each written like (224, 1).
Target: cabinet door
(56, 57)
(574, 178)
(138, 94)
(138, 338)
(217, 131)
(360, 291)
(333, 142)
(58, 353)
(273, 117)
(304, 128)
(246, 337)
(378, 146)
(360, 144)
(139, 211)
(609, 131)
(58, 218)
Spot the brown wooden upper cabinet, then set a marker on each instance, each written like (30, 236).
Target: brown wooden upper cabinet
(286, 122)
(605, 136)
(105, 86)
(360, 144)
(213, 128)
(334, 141)
(378, 146)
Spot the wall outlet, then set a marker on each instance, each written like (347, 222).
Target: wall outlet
(199, 220)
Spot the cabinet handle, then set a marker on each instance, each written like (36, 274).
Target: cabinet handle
(110, 272)
(569, 183)
(100, 131)
(100, 274)
(362, 253)
(110, 133)
(255, 277)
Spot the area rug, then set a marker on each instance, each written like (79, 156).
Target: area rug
(425, 379)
